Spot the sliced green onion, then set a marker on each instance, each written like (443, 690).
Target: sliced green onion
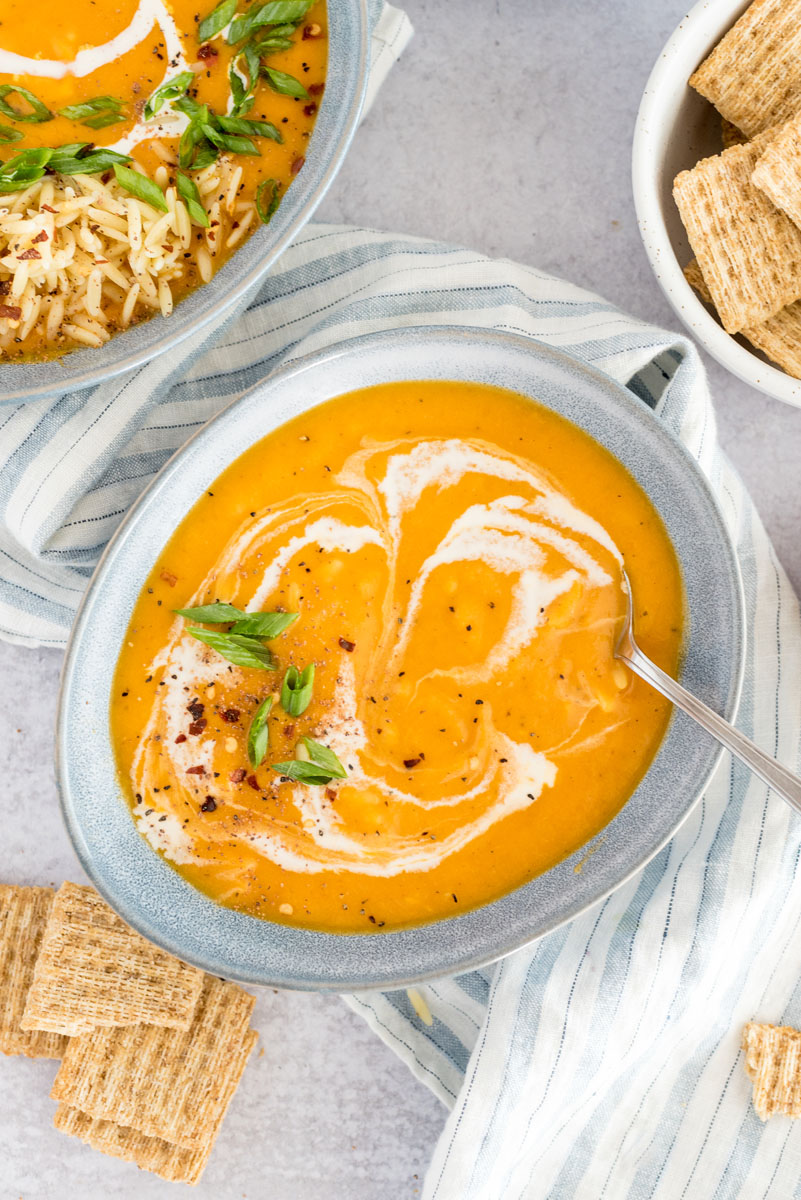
(325, 758)
(241, 651)
(96, 113)
(171, 89)
(141, 187)
(249, 128)
(321, 769)
(7, 134)
(210, 614)
(228, 141)
(40, 112)
(267, 625)
(216, 21)
(259, 733)
(286, 85)
(266, 211)
(188, 192)
(296, 690)
(272, 45)
(275, 13)
(81, 158)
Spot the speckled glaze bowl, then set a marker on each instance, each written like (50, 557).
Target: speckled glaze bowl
(346, 81)
(158, 902)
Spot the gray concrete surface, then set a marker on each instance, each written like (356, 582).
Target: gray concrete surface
(506, 127)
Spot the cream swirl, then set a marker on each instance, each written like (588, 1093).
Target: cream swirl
(491, 512)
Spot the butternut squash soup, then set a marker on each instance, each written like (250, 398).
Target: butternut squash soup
(370, 681)
(144, 140)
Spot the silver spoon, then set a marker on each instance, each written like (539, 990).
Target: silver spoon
(784, 782)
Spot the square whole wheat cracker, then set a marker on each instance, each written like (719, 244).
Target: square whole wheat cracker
(773, 1064)
(151, 1154)
(753, 75)
(778, 170)
(748, 250)
(94, 970)
(779, 338)
(23, 916)
(165, 1083)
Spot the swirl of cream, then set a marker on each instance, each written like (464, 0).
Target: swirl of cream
(531, 533)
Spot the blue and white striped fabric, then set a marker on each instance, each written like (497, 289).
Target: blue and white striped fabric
(604, 1061)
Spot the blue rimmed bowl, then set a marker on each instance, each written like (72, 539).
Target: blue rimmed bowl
(153, 898)
(340, 108)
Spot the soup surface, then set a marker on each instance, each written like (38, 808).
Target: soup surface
(453, 556)
(140, 142)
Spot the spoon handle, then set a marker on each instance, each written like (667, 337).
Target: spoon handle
(784, 782)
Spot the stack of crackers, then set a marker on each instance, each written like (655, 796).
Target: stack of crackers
(742, 208)
(151, 1050)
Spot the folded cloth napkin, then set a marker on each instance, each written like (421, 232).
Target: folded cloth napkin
(602, 1062)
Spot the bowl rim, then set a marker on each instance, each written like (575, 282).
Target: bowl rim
(703, 26)
(458, 963)
(347, 75)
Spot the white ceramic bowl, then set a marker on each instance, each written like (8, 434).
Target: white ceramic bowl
(675, 128)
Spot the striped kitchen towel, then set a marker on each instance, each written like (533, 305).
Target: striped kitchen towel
(602, 1062)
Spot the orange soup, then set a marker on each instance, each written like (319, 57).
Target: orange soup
(391, 693)
(141, 141)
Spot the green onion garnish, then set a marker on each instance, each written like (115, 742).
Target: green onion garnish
(96, 113)
(287, 85)
(321, 769)
(296, 690)
(7, 134)
(216, 21)
(141, 187)
(275, 13)
(241, 651)
(211, 614)
(39, 112)
(188, 192)
(250, 128)
(267, 625)
(266, 208)
(259, 733)
(171, 89)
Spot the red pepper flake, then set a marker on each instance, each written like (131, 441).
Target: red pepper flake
(47, 208)
(199, 770)
(10, 311)
(28, 254)
(310, 109)
(169, 578)
(330, 793)
(208, 805)
(410, 762)
(197, 727)
(231, 715)
(41, 237)
(207, 51)
(316, 89)
(297, 163)
(181, 738)
(238, 775)
(166, 246)
(346, 645)
(254, 783)
(195, 709)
